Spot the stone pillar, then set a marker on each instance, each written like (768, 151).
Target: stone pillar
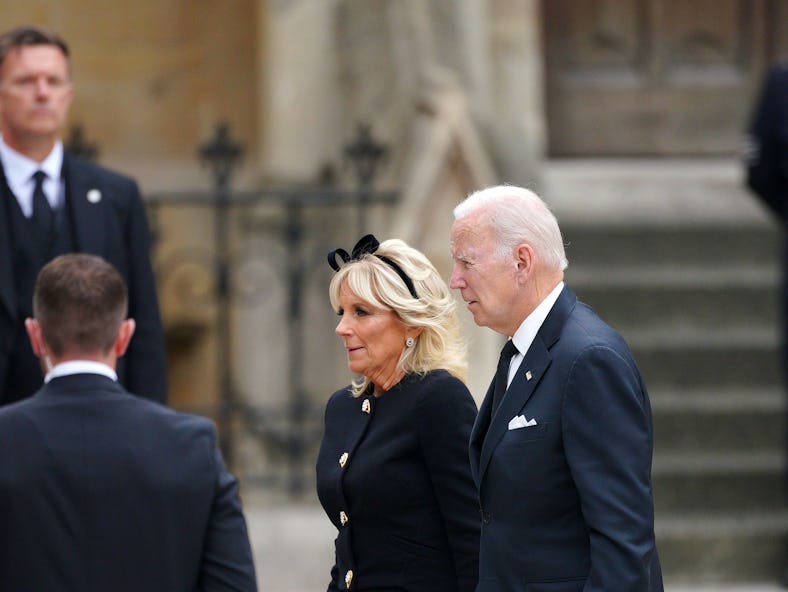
(474, 29)
(506, 83)
(300, 123)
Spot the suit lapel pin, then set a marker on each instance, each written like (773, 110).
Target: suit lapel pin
(365, 407)
(528, 375)
(94, 196)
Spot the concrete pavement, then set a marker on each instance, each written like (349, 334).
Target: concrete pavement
(293, 548)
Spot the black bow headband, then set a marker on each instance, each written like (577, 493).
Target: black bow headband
(367, 245)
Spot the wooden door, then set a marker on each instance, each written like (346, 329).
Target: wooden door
(656, 77)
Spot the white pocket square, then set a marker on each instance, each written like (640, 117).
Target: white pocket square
(520, 422)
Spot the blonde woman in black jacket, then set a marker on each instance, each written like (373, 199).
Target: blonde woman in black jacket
(393, 473)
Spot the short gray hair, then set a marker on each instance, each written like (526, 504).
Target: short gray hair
(29, 35)
(517, 215)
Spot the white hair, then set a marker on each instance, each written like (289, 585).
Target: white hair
(517, 215)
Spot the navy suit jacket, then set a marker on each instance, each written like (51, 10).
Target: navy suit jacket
(567, 504)
(767, 162)
(115, 228)
(101, 490)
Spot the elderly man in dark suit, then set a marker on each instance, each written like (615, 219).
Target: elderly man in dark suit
(52, 202)
(101, 490)
(561, 456)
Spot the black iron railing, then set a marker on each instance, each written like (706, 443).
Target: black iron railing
(286, 431)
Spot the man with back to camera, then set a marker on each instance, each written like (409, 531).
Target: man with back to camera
(52, 202)
(101, 490)
(562, 456)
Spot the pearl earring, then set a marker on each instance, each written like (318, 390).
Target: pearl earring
(409, 342)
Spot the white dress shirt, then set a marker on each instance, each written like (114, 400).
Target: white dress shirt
(80, 367)
(19, 170)
(526, 332)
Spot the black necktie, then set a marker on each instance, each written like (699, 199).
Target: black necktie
(43, 216)
(502, 374)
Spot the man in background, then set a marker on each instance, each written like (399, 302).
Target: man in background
(101, 490)
(52, 202)
(767, 177)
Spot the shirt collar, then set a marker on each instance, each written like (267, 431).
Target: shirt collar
(80, 367)
(19, 168)
(526, 332)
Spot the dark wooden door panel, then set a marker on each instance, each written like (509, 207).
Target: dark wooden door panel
(653, 77)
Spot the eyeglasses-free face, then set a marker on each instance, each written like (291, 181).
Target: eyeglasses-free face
(35, 94)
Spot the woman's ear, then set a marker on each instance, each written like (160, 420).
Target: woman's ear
(414, 331)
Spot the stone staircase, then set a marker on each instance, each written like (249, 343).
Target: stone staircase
(697, 302)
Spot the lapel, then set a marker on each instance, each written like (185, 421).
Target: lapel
(86, 217)
(536, 361)
(478, 432)
(7, 289)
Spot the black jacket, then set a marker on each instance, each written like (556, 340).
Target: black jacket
(108, 219)
(767, 157)
(402, 499)
(101, 490)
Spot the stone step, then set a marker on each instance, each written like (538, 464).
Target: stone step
(732, 547)
(719, 482)
(680, 297)
(677, 255)
(704, 359)
(717, 420)
(714, 246)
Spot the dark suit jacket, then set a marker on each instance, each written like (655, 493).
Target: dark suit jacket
(101, 490)
(115, 228)
(567, 503)
(767, 169)
(405, 488)
(767, 162)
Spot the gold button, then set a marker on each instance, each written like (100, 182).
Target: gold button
(348, 578)
(343, 518)
(366, 407)
(343, 459)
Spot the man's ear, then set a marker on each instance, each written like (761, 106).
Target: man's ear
(36, 337)
(124, 336)
(525, 259)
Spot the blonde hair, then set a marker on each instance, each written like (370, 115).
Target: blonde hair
(440, 345)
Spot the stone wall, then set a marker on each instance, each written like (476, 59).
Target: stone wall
(152, 78)
(449, 86)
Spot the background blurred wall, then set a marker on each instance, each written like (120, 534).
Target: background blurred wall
(152, 78)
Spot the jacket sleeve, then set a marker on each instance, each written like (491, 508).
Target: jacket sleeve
(446, 417)
(766, 155)
(333, 586)
(227, 562)
(608, 443)
(145, 367)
